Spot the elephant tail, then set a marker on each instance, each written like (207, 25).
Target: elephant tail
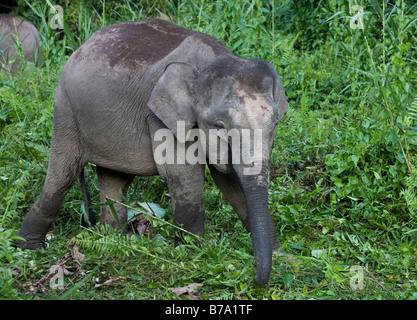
(91, 221)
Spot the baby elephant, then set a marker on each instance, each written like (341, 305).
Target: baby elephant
(14, 31)
(151, 98)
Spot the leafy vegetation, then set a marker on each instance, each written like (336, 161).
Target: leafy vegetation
(343, 186)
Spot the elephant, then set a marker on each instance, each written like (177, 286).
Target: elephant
(15, 30)
(130, 82)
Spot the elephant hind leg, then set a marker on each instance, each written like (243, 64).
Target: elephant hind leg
(114, 185)
(66, 162)
(65, 166)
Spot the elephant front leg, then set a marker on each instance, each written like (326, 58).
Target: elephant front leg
(185, 182)
(186, 186)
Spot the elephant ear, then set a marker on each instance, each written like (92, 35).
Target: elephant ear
(279, 94)
(172, 98)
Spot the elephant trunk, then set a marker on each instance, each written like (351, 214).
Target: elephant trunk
(256, 194)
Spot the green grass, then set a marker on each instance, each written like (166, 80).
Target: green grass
(343, 186)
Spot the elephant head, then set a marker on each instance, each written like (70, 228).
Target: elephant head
(231, 97)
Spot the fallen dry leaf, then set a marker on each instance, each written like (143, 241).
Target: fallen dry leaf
(77, 255)
(189, 292)
(68, 265)
(16, 271)
(140, 225)
(110, 281)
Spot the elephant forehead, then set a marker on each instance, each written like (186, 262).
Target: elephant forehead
(255, 106)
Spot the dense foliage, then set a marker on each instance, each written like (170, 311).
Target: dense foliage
(343, 186)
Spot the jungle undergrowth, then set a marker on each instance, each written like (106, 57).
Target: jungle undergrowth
(341, 192)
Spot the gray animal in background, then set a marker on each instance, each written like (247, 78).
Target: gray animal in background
(14, 30)
(132, 81)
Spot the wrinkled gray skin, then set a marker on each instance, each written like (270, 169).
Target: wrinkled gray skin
(131, 79)
(15, 30)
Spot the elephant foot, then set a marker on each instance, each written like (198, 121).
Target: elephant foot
(31, 241)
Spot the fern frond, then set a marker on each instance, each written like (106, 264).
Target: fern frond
(105, 240)
(412, 110)
(410, 197)
(410, 192)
